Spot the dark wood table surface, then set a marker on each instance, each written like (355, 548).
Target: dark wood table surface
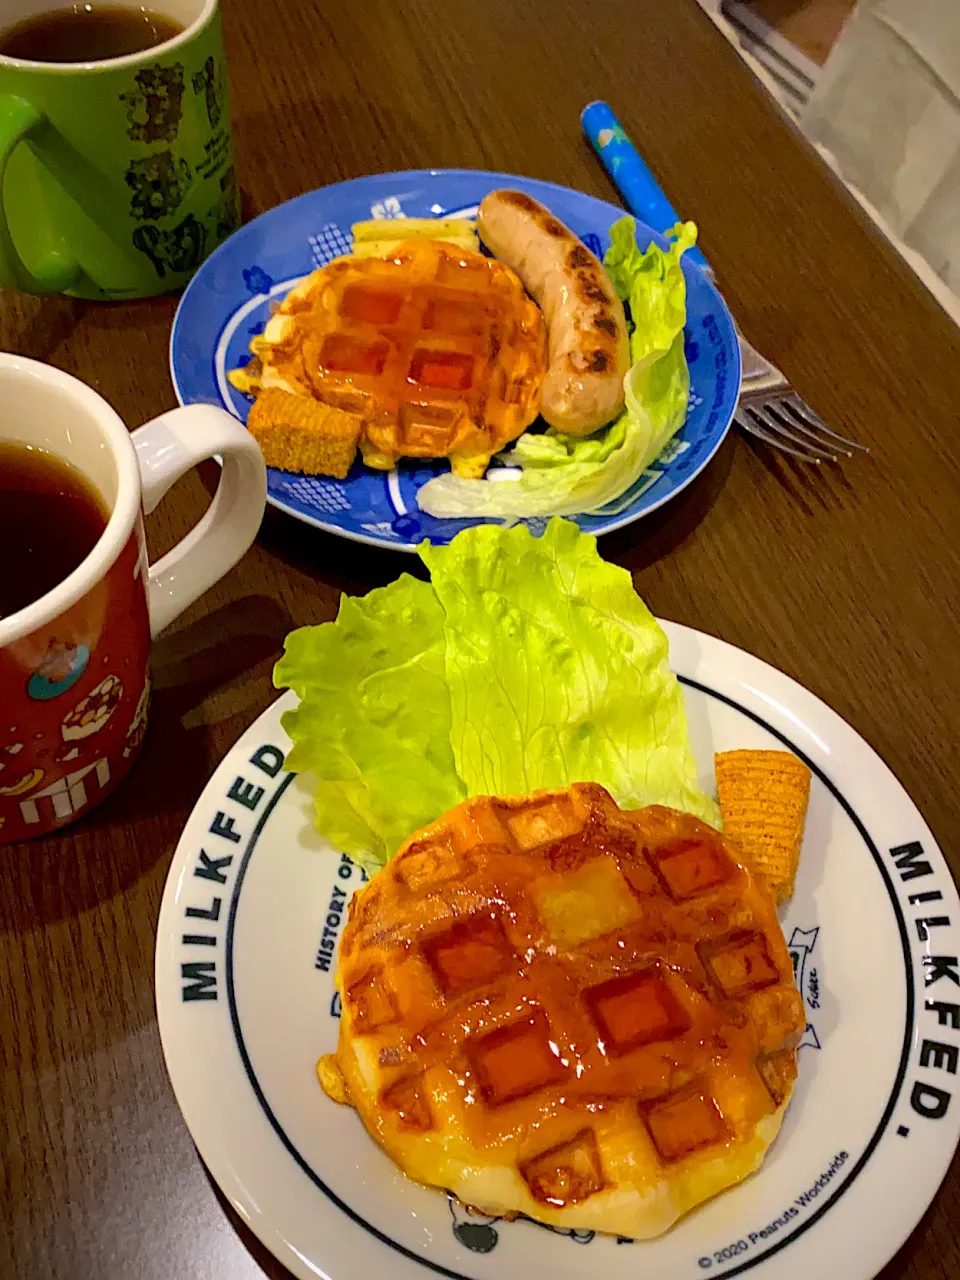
(846, 580)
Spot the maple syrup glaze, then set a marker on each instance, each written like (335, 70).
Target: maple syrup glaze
(541, 976)
(439, 350)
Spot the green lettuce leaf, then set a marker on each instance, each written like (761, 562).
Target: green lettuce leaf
(373, 724)
(558, 672)
(652, 284)
(526, 663)
(565, 475)
(561, 475)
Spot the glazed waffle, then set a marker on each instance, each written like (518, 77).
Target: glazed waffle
(555, 1008)
(438, 349)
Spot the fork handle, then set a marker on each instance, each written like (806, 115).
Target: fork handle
(755, 372)
(641, 192)
(645, 198)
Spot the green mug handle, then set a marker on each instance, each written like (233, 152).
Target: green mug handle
(55, 273)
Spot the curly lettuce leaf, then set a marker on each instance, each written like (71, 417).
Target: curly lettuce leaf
(528, 662)
(565, 475)
(652, 284)
(561, 475)
(373, 725)
(557, 671)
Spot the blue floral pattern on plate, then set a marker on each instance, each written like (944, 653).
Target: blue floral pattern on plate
(229, 300)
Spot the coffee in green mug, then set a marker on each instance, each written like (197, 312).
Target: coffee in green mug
(117, 174)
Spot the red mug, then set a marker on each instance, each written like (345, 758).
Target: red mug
(75, 664)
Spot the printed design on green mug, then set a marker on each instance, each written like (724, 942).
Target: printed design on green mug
(155, 107)
(226, 212)
(209, 82)
(217, 155)
(158, 182)
(180, 249)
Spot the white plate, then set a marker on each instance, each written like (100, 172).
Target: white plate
(246, 1005)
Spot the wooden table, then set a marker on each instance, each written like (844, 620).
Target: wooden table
(848, 581)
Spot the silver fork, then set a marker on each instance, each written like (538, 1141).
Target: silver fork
(770, 410)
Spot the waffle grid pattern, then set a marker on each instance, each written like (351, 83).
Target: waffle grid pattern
(611, 980)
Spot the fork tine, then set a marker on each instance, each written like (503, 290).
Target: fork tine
(812, 435)
(755, 429)
(776, 423)
(777, 420)
(802, 411)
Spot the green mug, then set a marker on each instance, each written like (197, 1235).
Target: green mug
(116, 177)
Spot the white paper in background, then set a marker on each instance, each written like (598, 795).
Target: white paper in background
(887, 107)
(911, 193)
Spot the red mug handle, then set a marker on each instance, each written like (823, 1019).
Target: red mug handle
(167, 448)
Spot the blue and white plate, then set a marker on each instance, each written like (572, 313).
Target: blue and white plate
(246, 947)
(228, 301)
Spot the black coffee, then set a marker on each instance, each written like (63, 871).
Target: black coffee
(87, 33)
(50, 520)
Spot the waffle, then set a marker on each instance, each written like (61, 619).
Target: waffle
(438, 349)
(554, 1008)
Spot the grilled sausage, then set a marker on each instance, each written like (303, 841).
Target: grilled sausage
(589, 352)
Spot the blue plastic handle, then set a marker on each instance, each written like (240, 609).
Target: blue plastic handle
(640, 190)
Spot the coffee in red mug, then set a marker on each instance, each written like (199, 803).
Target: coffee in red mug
(75, 652)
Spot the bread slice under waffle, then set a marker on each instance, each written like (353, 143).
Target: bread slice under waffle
(438, 349)
(555, 1008)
